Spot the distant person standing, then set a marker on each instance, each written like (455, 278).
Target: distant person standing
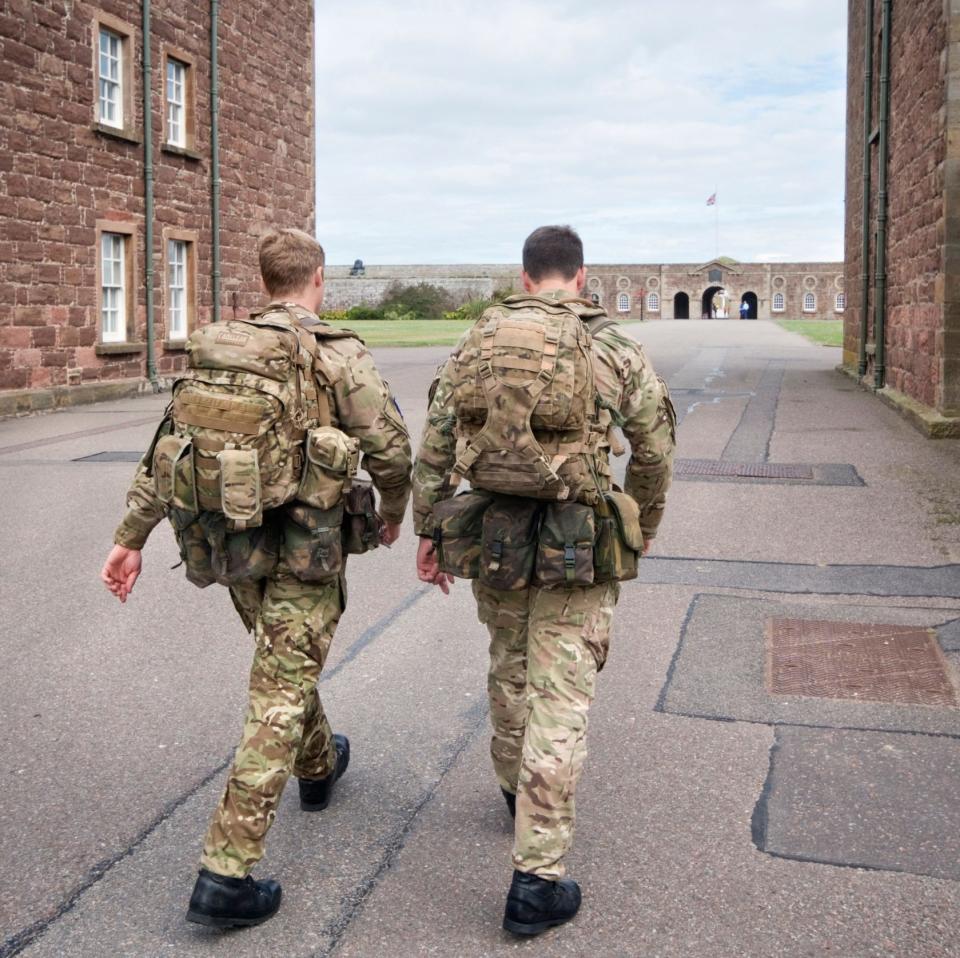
(744, 310)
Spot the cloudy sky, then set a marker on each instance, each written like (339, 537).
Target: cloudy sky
(447, 129)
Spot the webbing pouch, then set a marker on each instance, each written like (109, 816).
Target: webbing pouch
(619, 542)
(332, 461)
(509, 543)
(565, 549)
(312, 546)
(240, 488)
(457, 532)
(173, 475)
(361, 524)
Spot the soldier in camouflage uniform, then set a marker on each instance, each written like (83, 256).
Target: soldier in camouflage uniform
(293, 622)
(547, 646)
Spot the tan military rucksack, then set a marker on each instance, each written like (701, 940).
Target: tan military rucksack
(526, 403)
(247, 416)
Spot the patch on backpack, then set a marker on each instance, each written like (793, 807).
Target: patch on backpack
(230, 338)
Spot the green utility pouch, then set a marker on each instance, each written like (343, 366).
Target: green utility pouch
(332, 461)
(619, 542)
(212, 553)
(240, 488)
(509, 543)
(361, 524)
(565, 550)
(312, 546)
(173, 473)
(457, 532)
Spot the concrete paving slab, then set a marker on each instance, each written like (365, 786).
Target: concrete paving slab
(864, 800)
(718, 671)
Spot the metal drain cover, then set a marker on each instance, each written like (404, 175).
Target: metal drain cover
(749, 470)
(121, 456)
(900, 664)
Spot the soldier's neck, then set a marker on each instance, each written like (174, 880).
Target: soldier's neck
(554, 284)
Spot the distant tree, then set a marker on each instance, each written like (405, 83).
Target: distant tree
(424, 300)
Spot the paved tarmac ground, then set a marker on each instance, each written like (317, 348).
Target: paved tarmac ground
(715, 819)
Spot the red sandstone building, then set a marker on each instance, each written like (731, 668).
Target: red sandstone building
(87, 187)
(902, 322)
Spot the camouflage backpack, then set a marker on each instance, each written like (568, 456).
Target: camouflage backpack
(241, 413)
(526, 403)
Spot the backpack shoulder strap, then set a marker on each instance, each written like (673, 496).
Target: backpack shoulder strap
(597, 324)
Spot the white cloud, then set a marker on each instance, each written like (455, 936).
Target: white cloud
(447, 131)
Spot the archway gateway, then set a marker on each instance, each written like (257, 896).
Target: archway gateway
(750, 299)
(708, 310)
(681, 306)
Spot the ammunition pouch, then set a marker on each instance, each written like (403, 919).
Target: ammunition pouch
(312, 545)
(457, 532)
(619, 542)
(332, 459)
(211, 552)
(509, 543)
(565, 550)
(361, 524)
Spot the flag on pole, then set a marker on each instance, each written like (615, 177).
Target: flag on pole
(712, 201)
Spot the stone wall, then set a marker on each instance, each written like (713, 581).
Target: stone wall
(919, 283)
(63, 176)
(630, 291)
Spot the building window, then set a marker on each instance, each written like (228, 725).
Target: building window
(809, 303)
(653, 303)
(841, 303)
(178, 98)
(113, 288)
(778, 302)
(623, 303)
(176, 102)
(110, 74)
(181, 285)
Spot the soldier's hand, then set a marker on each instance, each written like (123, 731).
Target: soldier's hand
(389, 532)
(121, 570)
(428, 568)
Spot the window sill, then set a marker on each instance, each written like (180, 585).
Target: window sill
(119, 349)
(187, 154)
(175, 345)
(115, 133)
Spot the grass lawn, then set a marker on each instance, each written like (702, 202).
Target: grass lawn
(409, 332)
(827, 332)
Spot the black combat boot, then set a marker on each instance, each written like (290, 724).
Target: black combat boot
(315, 792)
(535, 904)
(511, 801)
(224, 902)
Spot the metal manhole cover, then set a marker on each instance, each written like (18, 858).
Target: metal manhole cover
(900, 664)
(748, 470)
(117, 456)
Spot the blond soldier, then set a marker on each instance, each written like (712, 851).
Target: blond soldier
(293, 621)
(547, 645)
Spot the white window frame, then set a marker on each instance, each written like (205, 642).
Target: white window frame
(840, 303)
(175, 97)
(178, 265)
(653, 302)
(779, 302)
(113, 287)
(809, 302)
(623, 302)
(110, 92)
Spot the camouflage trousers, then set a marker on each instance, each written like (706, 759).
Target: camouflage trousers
(285, 729)
(546, 648)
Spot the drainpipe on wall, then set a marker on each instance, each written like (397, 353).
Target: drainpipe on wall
(215, 156)
(880, 295)
(148, 193)
(865, 227)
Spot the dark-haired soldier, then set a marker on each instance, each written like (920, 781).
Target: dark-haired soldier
(547, 642)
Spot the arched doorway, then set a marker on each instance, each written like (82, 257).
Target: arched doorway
(709, 309)
(750, 301)
(681, 306)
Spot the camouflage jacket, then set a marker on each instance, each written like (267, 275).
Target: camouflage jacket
(361, 404)
(633, 396)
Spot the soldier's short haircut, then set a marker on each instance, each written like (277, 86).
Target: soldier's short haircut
(552, 250)
(288, 260)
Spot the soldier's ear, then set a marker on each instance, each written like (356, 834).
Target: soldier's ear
(318, 277)
(581, 278)
(528, 283)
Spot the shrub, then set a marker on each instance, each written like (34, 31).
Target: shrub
(424, 300)
(363, 312)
